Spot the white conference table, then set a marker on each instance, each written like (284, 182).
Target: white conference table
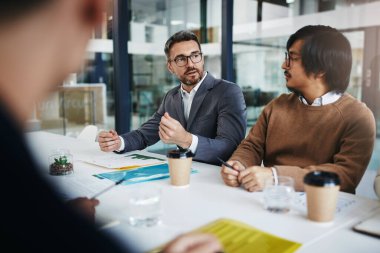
(205, 200)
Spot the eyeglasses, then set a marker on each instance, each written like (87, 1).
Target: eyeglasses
(289, 59)
(182, 60)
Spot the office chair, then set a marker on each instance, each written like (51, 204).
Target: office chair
(89, 133)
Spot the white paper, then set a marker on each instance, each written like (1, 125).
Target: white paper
(116, 161)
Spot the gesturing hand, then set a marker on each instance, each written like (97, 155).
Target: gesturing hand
(172, 132)
(109, 141)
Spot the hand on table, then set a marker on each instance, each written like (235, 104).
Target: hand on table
(194, 243)
(84, 206)
(109, 141)
(172, 132)
(253, 178)
(231, 176)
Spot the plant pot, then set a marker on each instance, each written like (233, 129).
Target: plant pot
(61, 163)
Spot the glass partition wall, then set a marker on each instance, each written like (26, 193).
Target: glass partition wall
(152, 23)
(85, 97)
(260, 31)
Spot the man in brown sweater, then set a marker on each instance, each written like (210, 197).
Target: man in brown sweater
(316, 127)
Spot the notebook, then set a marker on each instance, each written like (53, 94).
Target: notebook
(370, 226)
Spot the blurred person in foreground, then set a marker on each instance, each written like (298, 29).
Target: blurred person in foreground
(41, 42)
(203, 114)
(316, 127)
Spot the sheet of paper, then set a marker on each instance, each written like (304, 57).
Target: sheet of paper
(121, 161)
(343, 204)
(139, 175)
(72, 187)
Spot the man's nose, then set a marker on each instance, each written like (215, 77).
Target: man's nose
(190, 63)
(283, 66)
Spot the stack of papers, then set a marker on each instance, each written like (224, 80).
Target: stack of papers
(238, 237)
(122, 161)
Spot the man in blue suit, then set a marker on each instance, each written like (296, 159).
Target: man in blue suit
(203, 114)
(42, 41)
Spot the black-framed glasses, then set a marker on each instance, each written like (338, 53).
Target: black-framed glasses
(182, 60)
(289, 58)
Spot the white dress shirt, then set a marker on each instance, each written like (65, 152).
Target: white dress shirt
(187, 100)
(328, 98)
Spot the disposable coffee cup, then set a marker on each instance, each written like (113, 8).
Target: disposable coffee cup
(322, 190)
(180, 167)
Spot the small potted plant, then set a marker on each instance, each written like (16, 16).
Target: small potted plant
(61, 163)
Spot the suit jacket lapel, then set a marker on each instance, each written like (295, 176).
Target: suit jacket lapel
(203, 90)
(177, 99)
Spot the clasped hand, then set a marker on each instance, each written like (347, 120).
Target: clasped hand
(251, 178)
(109, 141)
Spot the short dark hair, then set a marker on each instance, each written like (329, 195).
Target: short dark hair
(325, 51)
(180, 36)
(13, 9)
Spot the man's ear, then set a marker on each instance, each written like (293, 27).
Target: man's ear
(170, 68)
(94, 11)
(320, 75)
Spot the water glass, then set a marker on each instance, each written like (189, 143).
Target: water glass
(144, 206)
(278, 197)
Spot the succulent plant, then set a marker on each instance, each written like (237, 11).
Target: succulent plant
(62, 160)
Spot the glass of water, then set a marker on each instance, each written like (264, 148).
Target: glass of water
(278, 197)
(144, 206)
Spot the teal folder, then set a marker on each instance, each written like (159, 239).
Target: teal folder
(139, 175)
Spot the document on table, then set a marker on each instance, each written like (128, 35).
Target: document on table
(121, 161)
(344, 203)
(370, 225)
(238, 237)
(139, 175)
(78, 186)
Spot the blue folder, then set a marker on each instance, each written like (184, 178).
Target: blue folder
(139, 175)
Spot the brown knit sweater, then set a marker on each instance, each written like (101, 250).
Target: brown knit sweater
(297, 138)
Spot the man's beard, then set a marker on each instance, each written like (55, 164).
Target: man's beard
(188, 82)
(192, 82)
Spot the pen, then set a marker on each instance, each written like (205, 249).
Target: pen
(224, 163)
(108, 188)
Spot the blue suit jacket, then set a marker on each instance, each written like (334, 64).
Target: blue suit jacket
(217, 116)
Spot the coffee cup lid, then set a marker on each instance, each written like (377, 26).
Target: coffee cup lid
(321, 178)
(176, 153)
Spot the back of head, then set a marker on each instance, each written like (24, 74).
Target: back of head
(13, 9)
(325, 51)
(180, 36)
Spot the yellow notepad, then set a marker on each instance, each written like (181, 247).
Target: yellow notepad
(237, 237)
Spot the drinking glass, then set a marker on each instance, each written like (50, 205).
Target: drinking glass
(278, 197)
(144, 206)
